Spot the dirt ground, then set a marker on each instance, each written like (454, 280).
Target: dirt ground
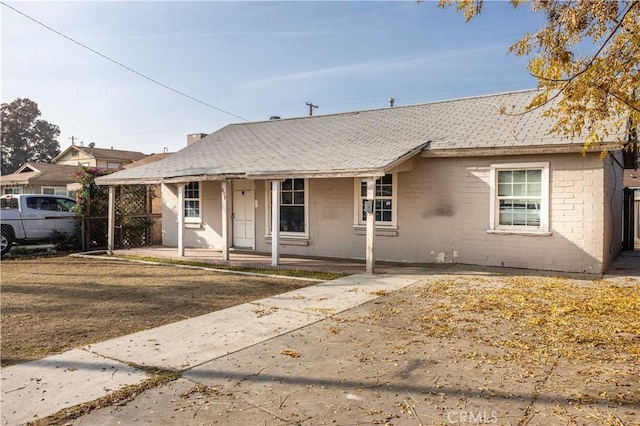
(50, 305)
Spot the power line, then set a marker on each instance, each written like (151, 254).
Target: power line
(122, 65)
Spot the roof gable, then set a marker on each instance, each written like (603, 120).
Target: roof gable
(27, 168)
(101, 153)
(40, 174)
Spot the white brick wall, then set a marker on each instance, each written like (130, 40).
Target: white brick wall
(206, 235)
(443, 215)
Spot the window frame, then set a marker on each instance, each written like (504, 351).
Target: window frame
(268, 207)
(12, 190)
(358, 198)
(56, 190)
(192, 219)
(494, 209)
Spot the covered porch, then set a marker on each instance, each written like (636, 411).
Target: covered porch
(235, 200)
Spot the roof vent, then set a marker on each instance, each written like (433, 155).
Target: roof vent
(274, 117)
(391, 102)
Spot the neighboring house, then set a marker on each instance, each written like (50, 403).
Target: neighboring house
(90, 156)
(39, 178)
(451, 181)
(58, 177)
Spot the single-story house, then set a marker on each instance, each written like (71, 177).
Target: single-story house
(39, 178)
(451, 181)
(58, 177)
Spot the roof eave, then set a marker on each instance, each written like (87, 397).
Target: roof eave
(128, 181)
(517, 150)
(286, 174)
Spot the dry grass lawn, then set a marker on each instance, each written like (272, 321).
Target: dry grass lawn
(50, 305)
(540, 316)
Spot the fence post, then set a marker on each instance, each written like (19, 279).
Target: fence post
(111, 221)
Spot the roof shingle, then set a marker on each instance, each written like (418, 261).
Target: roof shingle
(361, 141)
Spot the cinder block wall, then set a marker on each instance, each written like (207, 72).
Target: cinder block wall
(443, 216)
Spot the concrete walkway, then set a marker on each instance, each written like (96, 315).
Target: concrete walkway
(40, 388)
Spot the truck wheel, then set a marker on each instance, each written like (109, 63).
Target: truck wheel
(6, 240)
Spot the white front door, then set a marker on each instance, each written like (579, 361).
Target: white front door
(243, 214)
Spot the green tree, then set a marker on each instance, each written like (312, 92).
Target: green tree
(586, 60)
(25, 137)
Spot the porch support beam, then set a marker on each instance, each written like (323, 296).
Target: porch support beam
(275, 222)
(111, 220)
(225, 221)
(180, 212)
(371, 225)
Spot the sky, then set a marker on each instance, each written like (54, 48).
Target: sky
(245, 61)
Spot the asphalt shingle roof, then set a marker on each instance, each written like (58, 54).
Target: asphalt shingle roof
(354, 142)
(40, 174)
(103, 153)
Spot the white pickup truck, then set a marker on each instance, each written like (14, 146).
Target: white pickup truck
(33, 218)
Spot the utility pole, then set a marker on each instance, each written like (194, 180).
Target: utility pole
(73, 140)
(311, 107)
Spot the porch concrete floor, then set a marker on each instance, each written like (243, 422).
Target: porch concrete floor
(263, 260)
(627, 263)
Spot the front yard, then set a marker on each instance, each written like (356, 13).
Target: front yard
(504, 349)
(50, 305)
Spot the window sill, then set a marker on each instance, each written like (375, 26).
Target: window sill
(520, 232)
(193, 225)
(381, 231)
(287, 240)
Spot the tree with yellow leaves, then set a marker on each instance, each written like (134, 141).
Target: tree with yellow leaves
(585, 88)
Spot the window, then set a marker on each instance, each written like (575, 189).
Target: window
(519, 194)
(54, 190)
(51, 204)
(386, 200)
(65, 205)
(293, 207)
(12, 190)
(192, 202)
(9, 203)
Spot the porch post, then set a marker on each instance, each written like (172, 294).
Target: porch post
(180, 209)
(371, 225)
(111, 220)
(275, 222)
(225, 222)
